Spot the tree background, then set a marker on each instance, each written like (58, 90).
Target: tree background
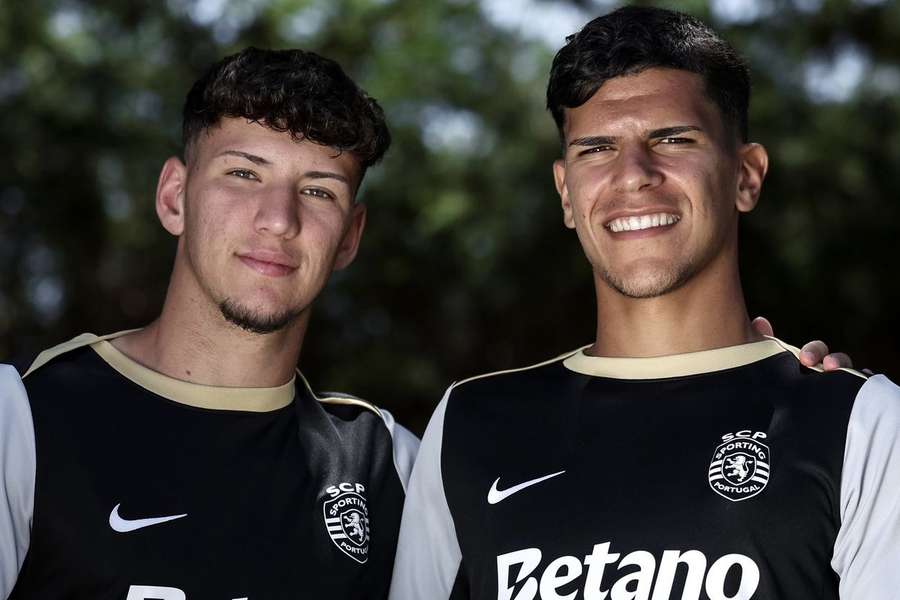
(465, 266)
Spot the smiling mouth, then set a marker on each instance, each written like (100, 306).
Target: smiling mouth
(638, 223)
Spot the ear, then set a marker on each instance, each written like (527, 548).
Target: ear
(559, 177)
(170, 192)
(754, 165)
(350, 242)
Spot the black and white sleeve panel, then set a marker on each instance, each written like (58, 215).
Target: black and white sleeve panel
(730, 474)
(121, 483)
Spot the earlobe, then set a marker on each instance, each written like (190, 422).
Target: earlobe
(170, 193)
(754, 165)
(350, 243)
(559, 178)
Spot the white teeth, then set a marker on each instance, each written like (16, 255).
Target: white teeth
(641, 222)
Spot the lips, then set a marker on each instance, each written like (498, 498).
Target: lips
(271, 264)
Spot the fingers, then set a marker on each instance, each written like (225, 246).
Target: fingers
(813, 353)
(762, 326)
(837, 360)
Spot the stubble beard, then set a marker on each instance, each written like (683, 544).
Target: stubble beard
(650, 285)
(255, 321)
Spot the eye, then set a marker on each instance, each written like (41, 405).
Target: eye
(596, 150)
(318, 193)
(676, 140)
(244, 174)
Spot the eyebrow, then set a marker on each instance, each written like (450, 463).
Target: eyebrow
(257, 160)
(326, 175)
(600, 140)
(593, 140)
(669, 131)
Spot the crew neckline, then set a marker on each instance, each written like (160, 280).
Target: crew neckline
(262, 399)
(676, 365)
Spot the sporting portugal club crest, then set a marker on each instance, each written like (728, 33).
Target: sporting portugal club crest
(347, 519)
(740, 466)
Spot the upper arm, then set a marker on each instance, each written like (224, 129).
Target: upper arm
(17, 475)
(428, 554)
(867, 549)
(405, 446)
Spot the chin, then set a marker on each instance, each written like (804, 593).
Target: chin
(647, 282)
(257, 320)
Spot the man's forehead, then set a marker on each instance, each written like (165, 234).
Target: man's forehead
(650, 82)
(643, 99)
(235, 135)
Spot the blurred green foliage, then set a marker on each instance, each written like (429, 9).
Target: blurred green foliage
(465, 266)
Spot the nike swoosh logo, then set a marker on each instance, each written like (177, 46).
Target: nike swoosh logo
(494, 495)
(125, 525)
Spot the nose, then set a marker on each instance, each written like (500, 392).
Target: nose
(278, 213)
(635, 170)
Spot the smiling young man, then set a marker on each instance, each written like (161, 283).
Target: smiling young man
(189, 459)
(682, 455)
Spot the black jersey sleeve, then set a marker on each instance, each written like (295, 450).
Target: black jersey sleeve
(429, 559)
(17, 476)
(867, 549)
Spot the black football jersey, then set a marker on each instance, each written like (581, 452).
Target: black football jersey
(117, 482)
(730, 474)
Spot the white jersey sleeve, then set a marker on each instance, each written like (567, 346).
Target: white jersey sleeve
(867, 549)
(428, 552)
(406, 446)
(17, 476)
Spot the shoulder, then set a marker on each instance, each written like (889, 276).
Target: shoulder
(347, 407)
(361, 419)
(13, 398)
(877, 404)
(825, 395)
(66, 352)
(530, 380)
(18, 460)
(68, 370)
(843, 376)
(475, 412)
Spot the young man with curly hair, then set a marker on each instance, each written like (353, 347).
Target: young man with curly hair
(682, 455)
(189, 458)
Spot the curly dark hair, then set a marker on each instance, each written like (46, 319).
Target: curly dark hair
(295, 91)
(635, 38)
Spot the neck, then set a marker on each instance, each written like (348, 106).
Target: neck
(706, 312)
(192, 341)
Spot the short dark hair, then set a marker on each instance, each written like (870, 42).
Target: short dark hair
(295, 91)
(635, 38)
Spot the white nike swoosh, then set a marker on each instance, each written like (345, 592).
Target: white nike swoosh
(494, 495)
(124, 525)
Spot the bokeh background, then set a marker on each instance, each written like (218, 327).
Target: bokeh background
(465, 266)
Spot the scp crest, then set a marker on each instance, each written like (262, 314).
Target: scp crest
(740, 466)
(347, 519)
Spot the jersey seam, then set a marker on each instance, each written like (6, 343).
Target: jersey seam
(80, 341)
(348, 400)
(817, 368)
(559, 358)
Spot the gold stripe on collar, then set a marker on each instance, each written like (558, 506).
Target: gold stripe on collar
(674, 365)
(193, 394)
